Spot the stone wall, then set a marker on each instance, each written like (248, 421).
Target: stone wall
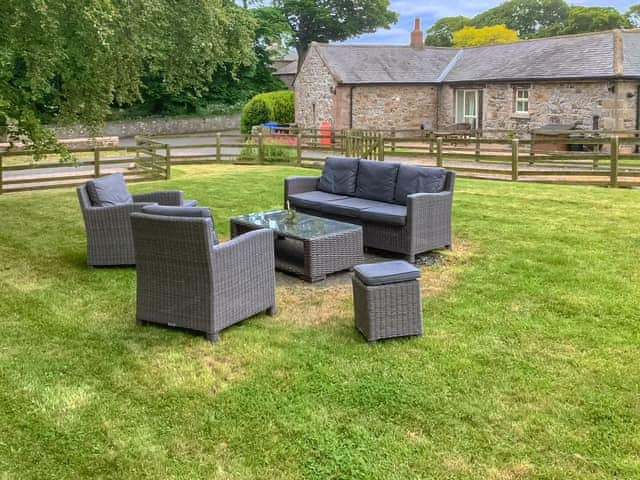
(155, 126)
(400, 107)
(551, 102)
(315, 89)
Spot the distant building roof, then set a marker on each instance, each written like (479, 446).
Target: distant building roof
(290, 68)
(590, 55)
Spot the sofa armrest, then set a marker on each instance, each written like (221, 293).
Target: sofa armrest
(115, 215)
(299, 185)
(245, 263)
(430, 211)
(164, 197)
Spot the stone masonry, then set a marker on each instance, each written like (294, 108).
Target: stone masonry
(315, 89)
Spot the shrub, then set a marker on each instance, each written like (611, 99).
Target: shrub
(254, 113)
(279, 108)
(275, 151)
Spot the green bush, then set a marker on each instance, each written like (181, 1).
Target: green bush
(275, 151)
(279, 105)
(254, 113)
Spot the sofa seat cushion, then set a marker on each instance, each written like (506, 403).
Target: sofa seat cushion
(312, 199)
(387, 213)
(349, 206)
(109, 190)
(376, 180)
(384, 273)
(339, 175)
(416, 179)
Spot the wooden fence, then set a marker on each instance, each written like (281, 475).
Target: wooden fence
(605, 158)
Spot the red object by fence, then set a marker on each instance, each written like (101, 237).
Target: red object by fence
(325, 133)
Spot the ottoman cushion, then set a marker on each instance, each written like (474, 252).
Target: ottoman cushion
(386, 272)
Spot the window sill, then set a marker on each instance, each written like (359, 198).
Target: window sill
(523, 116)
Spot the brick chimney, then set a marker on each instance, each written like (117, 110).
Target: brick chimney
(417, 38)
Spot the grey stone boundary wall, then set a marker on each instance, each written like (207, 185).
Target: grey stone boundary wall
(153, 126)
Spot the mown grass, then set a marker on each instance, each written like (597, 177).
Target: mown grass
(528, 369)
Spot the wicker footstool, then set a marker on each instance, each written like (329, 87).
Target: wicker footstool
(386, 300)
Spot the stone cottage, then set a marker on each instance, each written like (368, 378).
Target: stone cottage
(592, 80)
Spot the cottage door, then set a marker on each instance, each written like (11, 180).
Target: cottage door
(469, 107)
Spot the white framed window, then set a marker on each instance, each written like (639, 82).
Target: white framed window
(468, 107)
(522, 100)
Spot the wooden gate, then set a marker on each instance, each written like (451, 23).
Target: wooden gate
(363, 144)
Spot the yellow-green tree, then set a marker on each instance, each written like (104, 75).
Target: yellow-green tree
(473, 37)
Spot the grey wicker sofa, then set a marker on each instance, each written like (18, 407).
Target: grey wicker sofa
(186, 279)
(402, 208)
(106, 217)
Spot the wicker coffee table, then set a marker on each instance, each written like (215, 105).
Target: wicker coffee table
(310, 247)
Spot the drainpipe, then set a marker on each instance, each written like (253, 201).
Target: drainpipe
(351, 106)
(637, 149)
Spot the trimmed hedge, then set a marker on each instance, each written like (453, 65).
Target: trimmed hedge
(268, 107)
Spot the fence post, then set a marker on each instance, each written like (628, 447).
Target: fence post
(439, 151)
(614, 161)
(96, 162)
(393, 139)
(381, 147)
(299, 148)
(477, 147)
(218, 148)
(167, 157)
(515, 144)
(260, 148)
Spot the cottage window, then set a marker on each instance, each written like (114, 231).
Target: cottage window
(522, 100)
(468, 107)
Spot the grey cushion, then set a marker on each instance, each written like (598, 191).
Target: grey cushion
(386, 272)
(387, 213)
(190, 203)
(109, 190)
(349, 206)
(169, 211)
(376, 180)
(312, 199)
(339, 175)
(415, 179)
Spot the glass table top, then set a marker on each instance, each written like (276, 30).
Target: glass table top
(295, 224)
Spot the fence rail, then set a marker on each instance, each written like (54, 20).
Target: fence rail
(605, 159)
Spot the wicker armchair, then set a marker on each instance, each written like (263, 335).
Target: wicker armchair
(109, 240)
(185, 279)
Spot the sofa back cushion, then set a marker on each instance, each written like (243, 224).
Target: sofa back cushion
(339, 175)
(414, 179)
(109, 190)
(376, 180)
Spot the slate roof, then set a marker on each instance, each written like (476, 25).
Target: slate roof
(567, 57)
(366, 64)
(631, 62)
(290, 68)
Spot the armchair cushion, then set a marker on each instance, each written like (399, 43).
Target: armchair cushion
(414, 179)
(376, 180)
(339, 175)
(109, 190)
(170, 211)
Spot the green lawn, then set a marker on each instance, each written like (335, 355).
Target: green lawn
(529, 367)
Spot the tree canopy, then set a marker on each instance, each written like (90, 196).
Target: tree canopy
(333, 20)
(536, 19)
(473, 37)
(74, 59)
(441, 32)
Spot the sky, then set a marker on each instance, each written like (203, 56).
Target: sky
(430, 11)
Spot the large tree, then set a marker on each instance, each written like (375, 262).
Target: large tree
(526, 17)
(593, 19)
(441, 32)
(474, 37)
(633, 15)
(333, 20)
(74, 58)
